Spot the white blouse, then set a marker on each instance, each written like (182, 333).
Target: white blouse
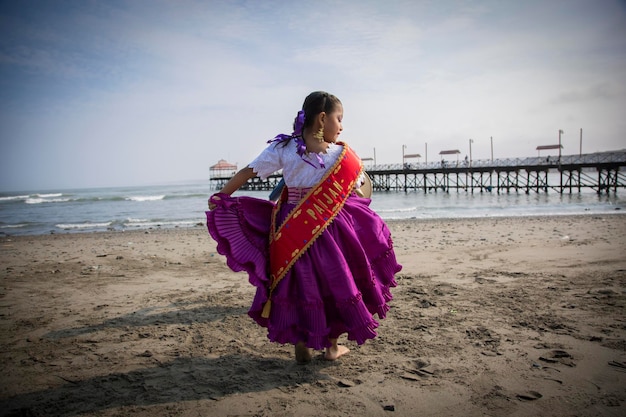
(296, 172)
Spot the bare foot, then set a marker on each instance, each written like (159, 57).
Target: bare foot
(335, 351)
(303, 353)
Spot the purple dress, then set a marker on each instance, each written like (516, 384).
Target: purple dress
(337, 286)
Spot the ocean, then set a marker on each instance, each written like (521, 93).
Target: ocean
(183, 205)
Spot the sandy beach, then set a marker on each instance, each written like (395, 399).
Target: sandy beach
(491, 317)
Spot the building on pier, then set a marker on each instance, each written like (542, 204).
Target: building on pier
(221, 172)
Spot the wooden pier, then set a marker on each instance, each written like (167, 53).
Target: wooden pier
(603, 172)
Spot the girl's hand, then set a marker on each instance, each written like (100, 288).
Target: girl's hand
(212, 205)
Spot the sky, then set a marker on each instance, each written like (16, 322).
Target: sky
(146, 92)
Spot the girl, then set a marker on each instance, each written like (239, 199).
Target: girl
(321, 259)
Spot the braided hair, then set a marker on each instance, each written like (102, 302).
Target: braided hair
(316, 103)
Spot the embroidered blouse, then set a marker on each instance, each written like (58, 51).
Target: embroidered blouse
(296, 171)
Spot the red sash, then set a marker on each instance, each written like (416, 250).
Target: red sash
(310, 217)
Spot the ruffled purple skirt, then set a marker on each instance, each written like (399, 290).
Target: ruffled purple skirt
(335, 287)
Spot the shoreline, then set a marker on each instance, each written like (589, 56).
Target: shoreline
(202, 224)
(492, 316)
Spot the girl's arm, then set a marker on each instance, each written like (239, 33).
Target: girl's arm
(233, 184)
(239, 179)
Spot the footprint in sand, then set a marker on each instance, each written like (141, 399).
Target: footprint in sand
(558, 356)
(529, 396)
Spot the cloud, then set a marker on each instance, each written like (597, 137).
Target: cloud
(142, 92)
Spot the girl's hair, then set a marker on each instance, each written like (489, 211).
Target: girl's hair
(315, 103)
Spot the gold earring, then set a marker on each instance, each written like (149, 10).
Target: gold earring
(319, 135)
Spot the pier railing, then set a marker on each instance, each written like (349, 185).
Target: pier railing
(590, 160)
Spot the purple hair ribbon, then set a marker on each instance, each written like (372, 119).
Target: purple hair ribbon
(297, 136)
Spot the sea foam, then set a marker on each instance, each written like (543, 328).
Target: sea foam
(37, 200)
(14, 197)
(70, 226)
(146, 198)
